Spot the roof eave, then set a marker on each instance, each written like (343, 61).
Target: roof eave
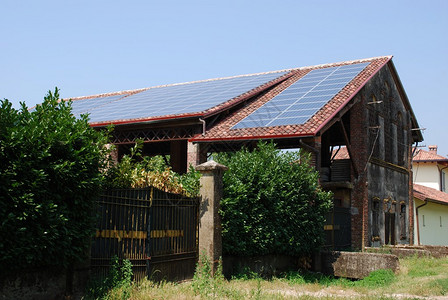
(416, 131)
(250, 138)
(146, 120)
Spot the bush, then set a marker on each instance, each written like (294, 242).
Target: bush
(50, 178)
(272, 202)
(135, 171)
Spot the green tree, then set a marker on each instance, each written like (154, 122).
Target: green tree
(50, 176)
(272, 202)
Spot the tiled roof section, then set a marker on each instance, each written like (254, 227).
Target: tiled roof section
(425, 193)
(341, 153)
(427, 156)
(224, 131)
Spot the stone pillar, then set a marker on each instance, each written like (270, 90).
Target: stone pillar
(210, 238)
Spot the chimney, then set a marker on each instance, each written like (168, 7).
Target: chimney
(433, 149)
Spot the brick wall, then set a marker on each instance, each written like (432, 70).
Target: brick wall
(359, 144)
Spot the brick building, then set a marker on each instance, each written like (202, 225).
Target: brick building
(360, 105)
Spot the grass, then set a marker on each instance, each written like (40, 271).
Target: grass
(418, 277)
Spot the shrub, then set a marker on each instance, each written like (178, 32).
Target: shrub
(135, 171)
(50, 178)
(272, 202)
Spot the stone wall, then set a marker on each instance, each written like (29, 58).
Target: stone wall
(356, 265)
(45, 283)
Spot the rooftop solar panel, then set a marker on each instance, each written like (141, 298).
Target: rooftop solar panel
(300, 101)
(176, 99)
(84, 106)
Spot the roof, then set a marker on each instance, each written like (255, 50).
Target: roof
(242, 99)
(425, 193)
(173, 101)
(419, 156)
(428, 156)
(340, 153)
(226, 130)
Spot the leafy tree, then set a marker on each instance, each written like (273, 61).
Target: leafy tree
(272, 202)
(50, 175)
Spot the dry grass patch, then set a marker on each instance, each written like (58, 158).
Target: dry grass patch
(417, 278)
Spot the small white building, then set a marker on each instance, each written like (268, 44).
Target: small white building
(430, 197)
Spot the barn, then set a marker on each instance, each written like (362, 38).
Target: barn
(359, 106)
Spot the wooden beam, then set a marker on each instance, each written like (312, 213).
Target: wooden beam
(349, 147)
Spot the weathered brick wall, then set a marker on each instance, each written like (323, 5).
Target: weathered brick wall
(359, 143)
(380, 139)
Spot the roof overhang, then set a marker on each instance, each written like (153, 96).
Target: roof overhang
(415, 129)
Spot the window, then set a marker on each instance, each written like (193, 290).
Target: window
(442, 184)
(375, 217)
(403, 221)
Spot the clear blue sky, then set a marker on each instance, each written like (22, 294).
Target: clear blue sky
(91, 47)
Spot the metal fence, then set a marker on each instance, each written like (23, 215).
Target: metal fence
(157, 231)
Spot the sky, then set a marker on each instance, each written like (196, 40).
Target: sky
(92, 47)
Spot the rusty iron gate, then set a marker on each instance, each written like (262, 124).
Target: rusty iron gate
(338, 229)
(157, 231)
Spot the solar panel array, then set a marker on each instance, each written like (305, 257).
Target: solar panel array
(300, 101)
(84, 106)
(171, 100)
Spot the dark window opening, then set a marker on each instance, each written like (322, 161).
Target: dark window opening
(403, 234)
(389, 228)
(375, 218)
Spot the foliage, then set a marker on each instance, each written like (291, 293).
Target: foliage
(205, 283)
(272, 202)
(50, 177)
(117, 284)
(137, 171)
(378, 278)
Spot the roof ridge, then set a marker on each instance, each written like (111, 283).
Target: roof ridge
(361, 60)
(135, 91)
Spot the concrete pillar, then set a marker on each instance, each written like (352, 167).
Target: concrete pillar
(210, 237)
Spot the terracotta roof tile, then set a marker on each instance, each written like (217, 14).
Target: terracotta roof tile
(224, 131)
(425, 193)
(341, 153)
(427, 156)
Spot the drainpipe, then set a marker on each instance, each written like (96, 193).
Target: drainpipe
(441, 178)
(203, 126)
(418, 227)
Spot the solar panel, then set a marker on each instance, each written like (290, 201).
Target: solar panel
(300, 101)
(83, 106)
(177, 99)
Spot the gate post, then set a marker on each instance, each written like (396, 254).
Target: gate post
(210, 237)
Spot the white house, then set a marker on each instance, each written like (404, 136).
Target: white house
(430, 197)
(430, 169)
